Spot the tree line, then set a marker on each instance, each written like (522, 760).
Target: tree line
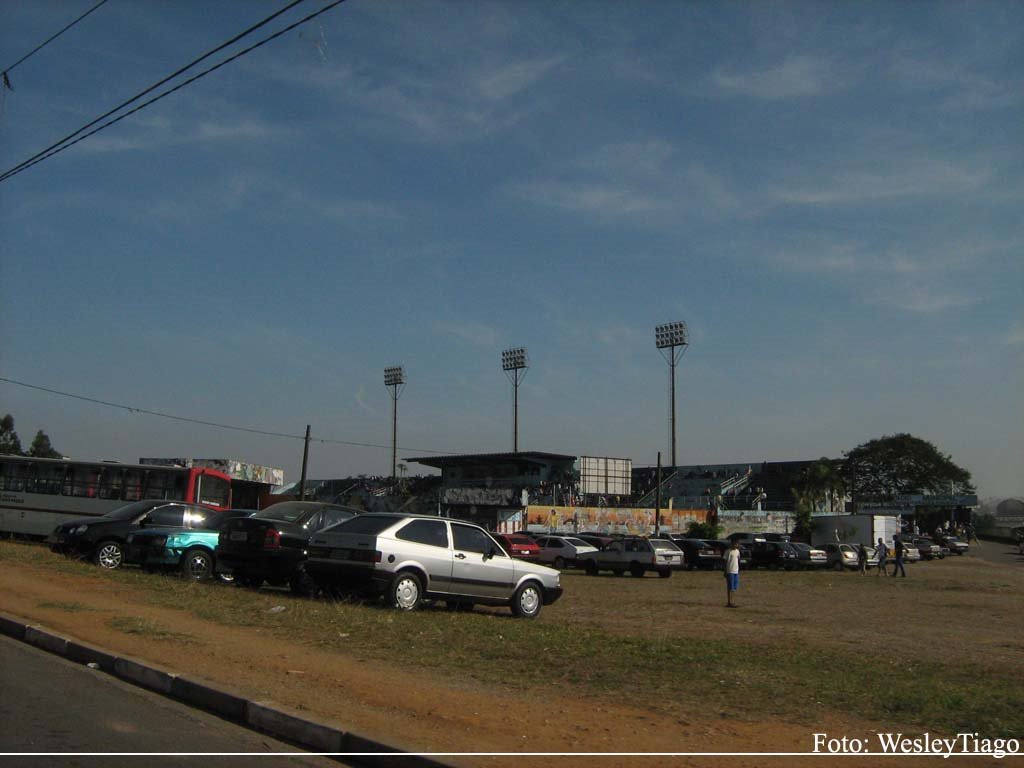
(877, 470)
(10, 443)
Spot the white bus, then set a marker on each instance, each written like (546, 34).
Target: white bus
(38, 494)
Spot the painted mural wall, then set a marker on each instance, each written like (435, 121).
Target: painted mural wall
(609, 519)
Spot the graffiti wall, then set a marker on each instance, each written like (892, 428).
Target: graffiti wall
(609, 519)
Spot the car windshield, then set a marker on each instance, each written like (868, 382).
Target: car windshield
(128, 511)
(801, 547)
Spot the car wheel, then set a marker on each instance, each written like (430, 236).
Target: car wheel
(590, 567)
(249, 581)
(197, 565)
(527, 601)
(109, 555)
(637, 570)
(559, 562)
(664, 573)
(406, 591)
(301, 584)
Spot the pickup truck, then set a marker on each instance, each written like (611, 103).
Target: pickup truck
(636, 555)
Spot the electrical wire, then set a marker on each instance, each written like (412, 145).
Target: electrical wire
(203, 422)
(65, 143)
(48, 41)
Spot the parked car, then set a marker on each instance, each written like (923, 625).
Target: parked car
(562, 551)
(518, 545)
(103, 539)
(929, 549)
(841, 556)
(409, 558)
(774, 555)
(746, 538)
(698, 553)
(271, 546)
(809, 557)
(955, 545)
(190, 548)
(636, 555)
(911, 554)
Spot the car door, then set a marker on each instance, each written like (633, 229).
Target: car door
(479, 567)
(425, 542)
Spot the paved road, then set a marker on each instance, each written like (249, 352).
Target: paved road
(996, 552)
(48, 704)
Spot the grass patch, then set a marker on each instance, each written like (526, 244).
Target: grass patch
(133, 625)
(802, 645)
(71, 607)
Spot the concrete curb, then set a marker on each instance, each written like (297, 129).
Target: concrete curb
(262, 716)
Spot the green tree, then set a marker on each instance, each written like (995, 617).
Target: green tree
(902, 464)
(9, 441)
(707, 530)
(820, 484)
(41, 448)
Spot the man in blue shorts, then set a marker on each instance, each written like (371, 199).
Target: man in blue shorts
(732, 572)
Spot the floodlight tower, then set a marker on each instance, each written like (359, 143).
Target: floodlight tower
(672, 339)
(394, 380)
(514, 364)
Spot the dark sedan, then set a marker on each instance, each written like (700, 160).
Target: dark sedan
(271, 546)
(102, 539)
(698, 553)
(774, 555)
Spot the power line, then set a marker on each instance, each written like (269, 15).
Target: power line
(46, 42)
(203, 422)
(64, 143)
(153, 87)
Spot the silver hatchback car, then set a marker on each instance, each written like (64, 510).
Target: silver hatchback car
(408, 558)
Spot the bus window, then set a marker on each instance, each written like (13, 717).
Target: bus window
(156, 485)
(49, 478)
(133, 485)
(81, 481)
(111, 483)
(14, 475)
(211, 490)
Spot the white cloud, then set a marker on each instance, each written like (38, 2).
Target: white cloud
(795, 76)
(920, 178)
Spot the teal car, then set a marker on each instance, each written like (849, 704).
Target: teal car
(190, 549)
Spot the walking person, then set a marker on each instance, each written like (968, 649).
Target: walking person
(883, 555)
(898, 546)
(862, 559)
(732, 572)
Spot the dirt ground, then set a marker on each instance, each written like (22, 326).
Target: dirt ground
(427, 710)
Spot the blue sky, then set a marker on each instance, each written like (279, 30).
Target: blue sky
(830, 194)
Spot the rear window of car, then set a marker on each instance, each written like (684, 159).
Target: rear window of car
(431, 532)
(577, 542)
(369, 524)
(518, 540)
(664, 544)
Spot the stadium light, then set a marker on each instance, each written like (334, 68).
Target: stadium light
(672, 339)
(394, 379)
(514, 363)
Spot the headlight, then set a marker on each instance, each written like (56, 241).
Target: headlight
(79, 530)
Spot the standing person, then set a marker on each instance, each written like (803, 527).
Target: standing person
(883, 554)
(862, 559)
(898, 546)
(732, 572)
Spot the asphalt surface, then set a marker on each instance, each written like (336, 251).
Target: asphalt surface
(48, 704)
(996, 552)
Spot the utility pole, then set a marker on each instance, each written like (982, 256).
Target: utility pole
(394, 380)
(305, 461)
(657, 500)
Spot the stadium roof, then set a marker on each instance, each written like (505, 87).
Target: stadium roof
(529, 457)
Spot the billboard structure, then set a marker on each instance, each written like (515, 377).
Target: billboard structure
(601, 475)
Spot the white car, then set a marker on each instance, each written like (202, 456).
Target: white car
(562, 551)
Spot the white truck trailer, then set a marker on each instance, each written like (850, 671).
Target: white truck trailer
(854, 529)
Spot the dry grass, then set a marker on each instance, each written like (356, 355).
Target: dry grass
(940, 649)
